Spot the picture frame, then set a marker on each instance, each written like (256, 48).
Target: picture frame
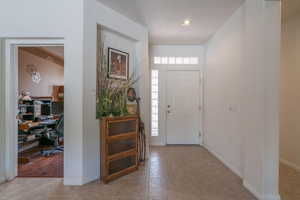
(118, 64)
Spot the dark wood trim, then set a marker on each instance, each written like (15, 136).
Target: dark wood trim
(120, 173)
(122, 136)
(122, 155)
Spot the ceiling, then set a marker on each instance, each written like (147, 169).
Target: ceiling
(290, 8)
(56, 50)
(164, 18)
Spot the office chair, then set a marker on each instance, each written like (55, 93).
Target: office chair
(56, 134)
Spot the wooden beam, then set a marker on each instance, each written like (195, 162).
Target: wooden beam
(44, 54)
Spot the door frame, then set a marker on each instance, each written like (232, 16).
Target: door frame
(161, 140)
(11, 97)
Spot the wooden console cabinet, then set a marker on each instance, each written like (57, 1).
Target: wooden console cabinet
(119, 146)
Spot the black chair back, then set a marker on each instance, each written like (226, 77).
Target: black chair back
(60, 126)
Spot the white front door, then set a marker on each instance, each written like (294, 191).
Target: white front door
(183, 107)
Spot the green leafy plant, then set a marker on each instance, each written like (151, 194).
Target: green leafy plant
(112, 93)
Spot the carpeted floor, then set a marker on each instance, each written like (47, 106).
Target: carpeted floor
(40, 166)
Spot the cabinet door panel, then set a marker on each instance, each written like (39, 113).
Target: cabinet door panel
(121, 164)
(119, 146)
(122, 127)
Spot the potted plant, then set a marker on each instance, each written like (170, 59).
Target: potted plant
(112, 93)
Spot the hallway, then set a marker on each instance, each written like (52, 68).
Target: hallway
(172, 172)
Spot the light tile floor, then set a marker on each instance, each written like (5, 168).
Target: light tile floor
(172, 173)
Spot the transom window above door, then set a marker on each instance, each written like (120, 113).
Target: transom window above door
(176, 60)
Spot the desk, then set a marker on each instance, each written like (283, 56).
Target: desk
(25, 126)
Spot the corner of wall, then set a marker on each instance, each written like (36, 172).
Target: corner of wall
(259, 196)
(224, 161)
(251, 189)
(73, 181)
(2, 117)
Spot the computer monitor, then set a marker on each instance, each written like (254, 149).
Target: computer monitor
(57, 108)
(46, 109)
(27, 102)
(30, 109)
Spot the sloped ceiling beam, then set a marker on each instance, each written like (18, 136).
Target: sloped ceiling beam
(44, 54)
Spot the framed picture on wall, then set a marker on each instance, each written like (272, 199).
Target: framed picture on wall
(118, 64)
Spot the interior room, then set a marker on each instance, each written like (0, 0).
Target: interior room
(40, 111)
(289, 108)
(160, 100)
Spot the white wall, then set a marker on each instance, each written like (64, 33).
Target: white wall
(31, 19)
(290, 92)
(261, 96)
(241, 95)
(169, 51)
(2, 122)
(224, 58)
(77, 26)
(95, 13)
(51, 75)
(118, 41)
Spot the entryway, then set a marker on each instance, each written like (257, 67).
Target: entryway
(183, 107)
(34, 108)
(40, 133)
(177, 99)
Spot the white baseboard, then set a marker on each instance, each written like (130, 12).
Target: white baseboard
(90, 179)
(73, 181)
(221, 158)
(290, 164)
(272, 197)
(259, 196)
(79, 180)
(252, 190)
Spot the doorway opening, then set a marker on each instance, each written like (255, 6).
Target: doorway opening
(40, 108)
(176, 104)
(183, 107)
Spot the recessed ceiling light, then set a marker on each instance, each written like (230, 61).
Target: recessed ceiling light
(186, 22)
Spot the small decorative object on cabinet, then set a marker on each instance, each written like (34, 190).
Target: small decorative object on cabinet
(119, 146)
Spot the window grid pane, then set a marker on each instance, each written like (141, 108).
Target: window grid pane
(154, 99)
(175, 61)
(164, 60)
(179, 60)
(156, 60)
(194, 60)
(186, 60)
(172, 60)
